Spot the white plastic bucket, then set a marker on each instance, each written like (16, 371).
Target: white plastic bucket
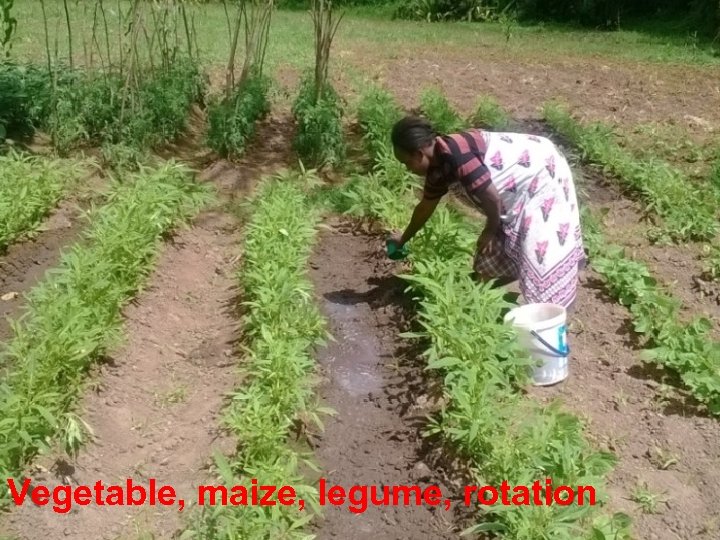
(542, 330)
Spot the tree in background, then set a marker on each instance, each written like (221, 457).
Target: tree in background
(8, 24)
(325, 28)
(702, 16)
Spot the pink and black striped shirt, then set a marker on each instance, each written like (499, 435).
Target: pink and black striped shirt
(459, 157)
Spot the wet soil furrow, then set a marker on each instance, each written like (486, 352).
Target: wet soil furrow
(377, 387)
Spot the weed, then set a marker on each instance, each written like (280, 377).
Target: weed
(647, 500)
(662, 459)
(172, 397)
(711, 265)
(75, 431)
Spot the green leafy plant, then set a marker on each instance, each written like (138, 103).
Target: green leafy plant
(281, 325)
(89, 109)
(446, 10)
(74, 316)
(490, 115)
(8, 25)
(232, 121)
(647, 500)
(711, 254)
(25, 96)
(685, 348)
(503, 435)
(30, 188)
(377, 112)
(319, 140)
(438, 110)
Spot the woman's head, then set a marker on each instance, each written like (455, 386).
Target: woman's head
(413, 140)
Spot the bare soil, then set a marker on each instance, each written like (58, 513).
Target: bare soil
(377, 386)
(614, 91)
(658, 438)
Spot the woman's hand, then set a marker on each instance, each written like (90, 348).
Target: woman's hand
(396, 238)
(489, 244)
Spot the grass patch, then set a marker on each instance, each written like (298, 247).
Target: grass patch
(291, 37)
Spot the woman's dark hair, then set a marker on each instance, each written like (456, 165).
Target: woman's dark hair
(412, 133)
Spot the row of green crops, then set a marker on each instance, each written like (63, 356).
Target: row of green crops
(487, 114)
(319, 139)
(685, 348)
(505, 436)
(232, 119)
(29, 189)
(686, 210)
(712, 251)
(281, 326)
(89, 107)
(74, 315)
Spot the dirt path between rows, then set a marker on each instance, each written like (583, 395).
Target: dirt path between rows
(376, 385)
(155, 411)
(157, 402)
(24, 263)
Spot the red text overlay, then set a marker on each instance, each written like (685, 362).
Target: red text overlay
(357, 499)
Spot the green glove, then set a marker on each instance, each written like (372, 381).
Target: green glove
(394, 252)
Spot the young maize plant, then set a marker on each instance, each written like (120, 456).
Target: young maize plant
(281, 325)
(74, 316)
(685, 209)
(504, 436)
(29, 190)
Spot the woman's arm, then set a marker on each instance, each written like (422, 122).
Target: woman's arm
(424, 209)
(491, 204)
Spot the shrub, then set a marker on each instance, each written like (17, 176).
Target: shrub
(232, 121)
(25, 97)
(319, 140)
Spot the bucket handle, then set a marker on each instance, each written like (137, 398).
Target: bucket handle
(552, 349)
